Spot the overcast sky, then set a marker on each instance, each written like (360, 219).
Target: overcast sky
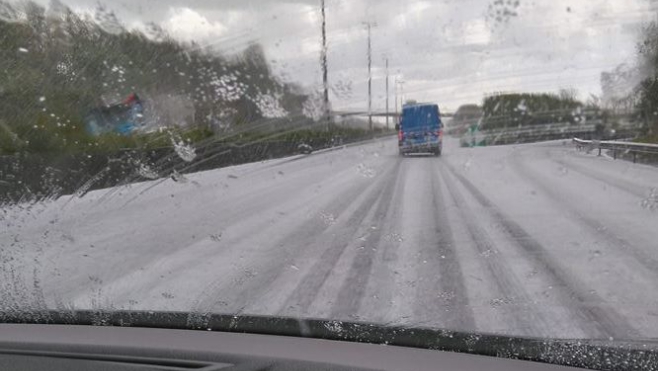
(449, 51)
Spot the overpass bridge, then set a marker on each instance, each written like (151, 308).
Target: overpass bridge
(377, 114)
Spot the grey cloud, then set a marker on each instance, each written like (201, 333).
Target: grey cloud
(448, 51)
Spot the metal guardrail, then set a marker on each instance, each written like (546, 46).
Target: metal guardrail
(541, 131)
(527, 134)
(617, 147)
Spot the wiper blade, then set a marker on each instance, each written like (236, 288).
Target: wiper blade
(590, 354)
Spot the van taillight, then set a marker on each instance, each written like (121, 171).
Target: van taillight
(439, 133)
(400, 135)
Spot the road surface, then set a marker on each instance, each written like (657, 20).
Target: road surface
(537, 240)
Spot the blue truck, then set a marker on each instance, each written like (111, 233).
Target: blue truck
(420, 129)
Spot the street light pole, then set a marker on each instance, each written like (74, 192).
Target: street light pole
(395, 87)
(387, 94)
(369, 79)
(323, 60)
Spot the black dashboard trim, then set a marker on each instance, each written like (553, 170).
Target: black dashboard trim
(598, 355)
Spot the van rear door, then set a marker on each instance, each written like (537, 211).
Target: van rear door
(421, 125)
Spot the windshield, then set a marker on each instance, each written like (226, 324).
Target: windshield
(251, 157)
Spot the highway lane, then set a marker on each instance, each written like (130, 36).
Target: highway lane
(534, 239)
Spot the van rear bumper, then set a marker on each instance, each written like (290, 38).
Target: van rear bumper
(431, 147)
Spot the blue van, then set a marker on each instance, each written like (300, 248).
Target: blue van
(420, 129)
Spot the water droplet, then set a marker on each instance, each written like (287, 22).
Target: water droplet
(185, 151)
(178, 177)
(487, 253)
(394, 237)
(467, 165)
(366, 171)
(145, 171)
(651, 201)
(328, 218)
(334, 326)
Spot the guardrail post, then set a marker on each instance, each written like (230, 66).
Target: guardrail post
(614, 153)
(599, 151)
(634, 156)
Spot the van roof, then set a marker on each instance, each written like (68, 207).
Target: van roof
(411, 105)
(420, 104)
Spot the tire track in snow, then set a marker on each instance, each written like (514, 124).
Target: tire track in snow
(353, 289)
(255, 281)
(205, 223)
(596, 321)
(305, 293)
(384, 286)
(441, 293)
(507, 283)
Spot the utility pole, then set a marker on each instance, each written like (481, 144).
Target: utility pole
(323, 61)
(395, 87)
(369, 79)
(387, 94)
(401, 83)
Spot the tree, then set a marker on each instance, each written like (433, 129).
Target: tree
(508, 110)
(647, 89)
(56, 65)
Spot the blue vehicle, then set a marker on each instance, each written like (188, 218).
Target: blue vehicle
(420, 129)
(122, 118)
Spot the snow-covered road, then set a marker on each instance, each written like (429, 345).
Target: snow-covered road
(534, 239)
